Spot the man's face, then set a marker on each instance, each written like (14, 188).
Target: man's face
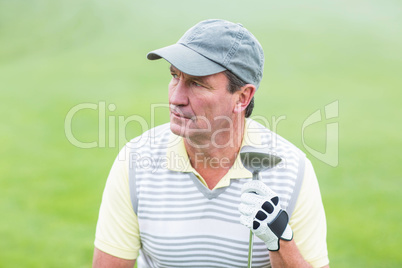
(200, 106)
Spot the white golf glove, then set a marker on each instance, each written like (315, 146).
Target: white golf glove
(261, 213)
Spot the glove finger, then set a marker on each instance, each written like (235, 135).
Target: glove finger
(258, 187)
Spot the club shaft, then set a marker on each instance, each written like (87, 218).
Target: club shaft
(256, 176)
(250, 250)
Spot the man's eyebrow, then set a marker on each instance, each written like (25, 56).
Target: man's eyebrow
(193, 77)
(201, 79)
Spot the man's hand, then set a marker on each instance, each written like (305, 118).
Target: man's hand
(261, 212)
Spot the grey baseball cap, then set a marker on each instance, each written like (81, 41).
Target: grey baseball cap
(213, 46)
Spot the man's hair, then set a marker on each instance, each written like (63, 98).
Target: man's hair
(234, 85)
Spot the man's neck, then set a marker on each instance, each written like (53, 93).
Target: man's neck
(212, 159)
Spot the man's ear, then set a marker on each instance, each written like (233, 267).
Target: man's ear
(244, 96)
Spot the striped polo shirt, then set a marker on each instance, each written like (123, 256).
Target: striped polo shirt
(179, 222)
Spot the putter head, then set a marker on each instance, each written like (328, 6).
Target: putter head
(256, 159)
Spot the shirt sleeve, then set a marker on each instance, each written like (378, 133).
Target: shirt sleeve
(117, 231)
(308, 221)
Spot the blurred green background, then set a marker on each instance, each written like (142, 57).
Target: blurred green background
(55, 55)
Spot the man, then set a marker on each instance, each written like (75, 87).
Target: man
(179, 195)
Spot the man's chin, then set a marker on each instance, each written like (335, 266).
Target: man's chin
(177, 129)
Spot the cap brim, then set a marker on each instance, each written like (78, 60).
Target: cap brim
(186, 60)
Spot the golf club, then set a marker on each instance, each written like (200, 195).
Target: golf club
(256, 160)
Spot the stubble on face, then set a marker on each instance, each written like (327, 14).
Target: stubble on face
(200, 107)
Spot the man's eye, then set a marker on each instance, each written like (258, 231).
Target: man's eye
(196, 84)
(175, 75)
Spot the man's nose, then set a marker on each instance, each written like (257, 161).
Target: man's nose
(179, 94)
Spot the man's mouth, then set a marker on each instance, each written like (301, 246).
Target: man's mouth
(180, 114)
